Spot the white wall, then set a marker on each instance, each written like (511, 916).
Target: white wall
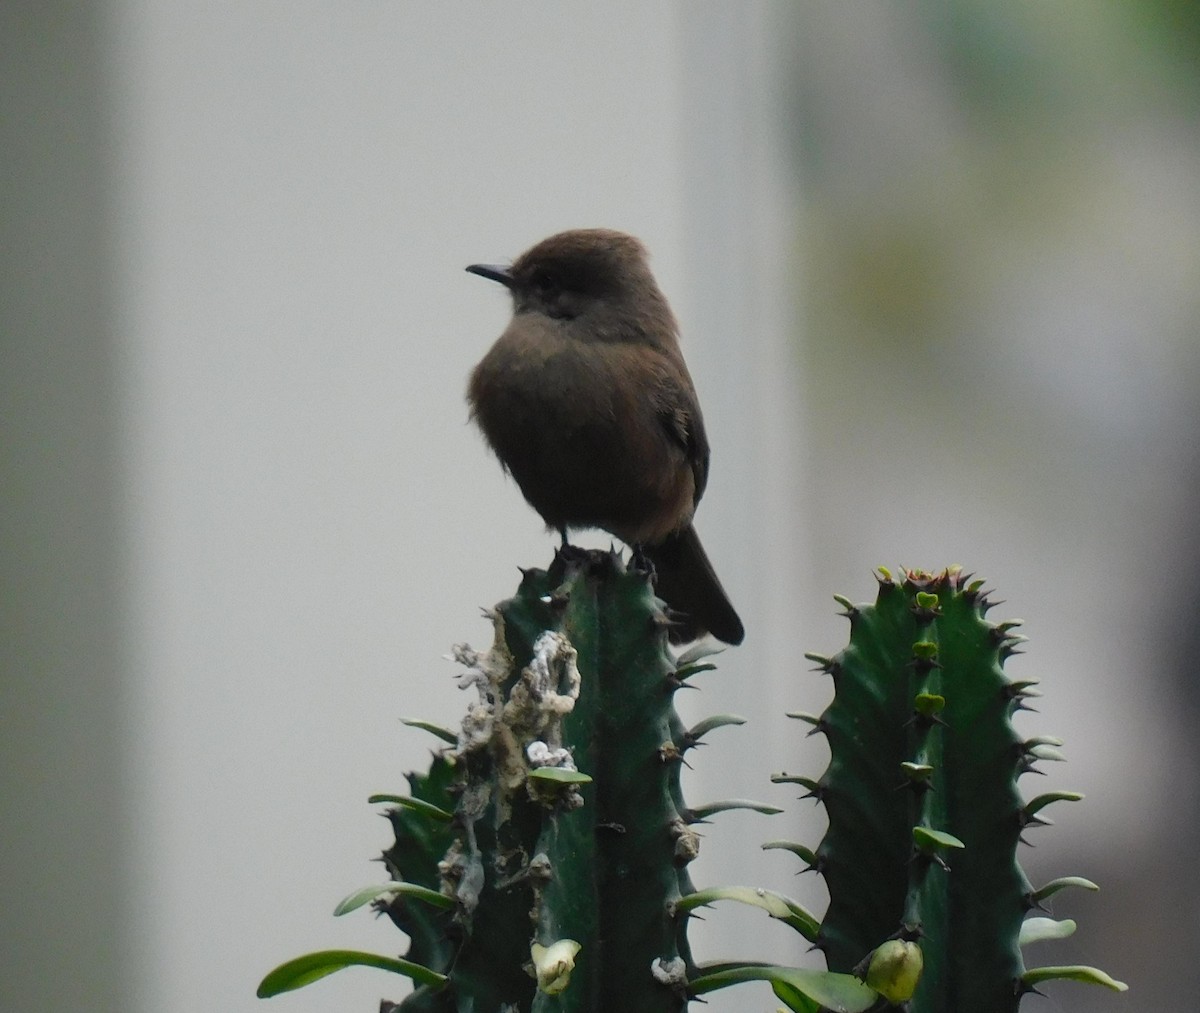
(293, 520)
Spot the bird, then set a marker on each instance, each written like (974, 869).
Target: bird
(587, 402)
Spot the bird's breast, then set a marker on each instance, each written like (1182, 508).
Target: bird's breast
(578, 426)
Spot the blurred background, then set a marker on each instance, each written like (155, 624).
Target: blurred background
(937, 267)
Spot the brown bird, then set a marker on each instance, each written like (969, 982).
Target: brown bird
(587, 402)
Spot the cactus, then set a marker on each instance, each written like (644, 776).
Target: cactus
(572, 872)
(541, 863)
(557, 884)
(927, 902)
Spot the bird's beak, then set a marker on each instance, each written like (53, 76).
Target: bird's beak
(495, 272)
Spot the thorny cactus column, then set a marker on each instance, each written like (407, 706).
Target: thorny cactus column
(586, 868)
(540, 863)
(926, 897)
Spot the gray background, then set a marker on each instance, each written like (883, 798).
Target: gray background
(936, 271)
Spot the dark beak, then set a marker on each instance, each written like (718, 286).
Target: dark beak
(495, 272)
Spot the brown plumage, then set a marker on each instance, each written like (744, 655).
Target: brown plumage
(587, 402)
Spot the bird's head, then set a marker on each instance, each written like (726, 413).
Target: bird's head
(597, 276)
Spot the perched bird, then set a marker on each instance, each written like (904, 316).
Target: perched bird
(587, 402)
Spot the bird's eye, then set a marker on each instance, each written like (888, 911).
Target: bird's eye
(544, 280)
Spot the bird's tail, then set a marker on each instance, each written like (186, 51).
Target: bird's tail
(688, 584)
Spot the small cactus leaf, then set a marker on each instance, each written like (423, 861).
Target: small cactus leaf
(917, 772)
(925, 649)
(702, 728)
(782, 778)
(691, 662)
(394, 889)
(1062, 883)
(845, 602)
(1037, 930)
(808, 719)
(416, 805)
(931, 840)
(804, 989)
(929, 704)
(445, 734)
(704, 649)
(702, 812)
(1072, 972)
(775, 904)
(1042, 740)
(799, 850)
(687, 671)
(1033, 805)
(1047, 753)
(313, 966)
(558, 775)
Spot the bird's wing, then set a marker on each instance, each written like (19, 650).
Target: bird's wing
(679, 413)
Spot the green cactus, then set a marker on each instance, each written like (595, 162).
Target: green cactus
(926, 899)
(564, 859)
(541, 864)
(557, 885)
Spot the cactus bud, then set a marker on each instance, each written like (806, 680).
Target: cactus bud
(895, 969)
(553, 964)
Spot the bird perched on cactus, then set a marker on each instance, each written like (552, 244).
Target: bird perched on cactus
(586, 400)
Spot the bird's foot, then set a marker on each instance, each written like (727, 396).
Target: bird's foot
(641, 563)
(569, 553)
